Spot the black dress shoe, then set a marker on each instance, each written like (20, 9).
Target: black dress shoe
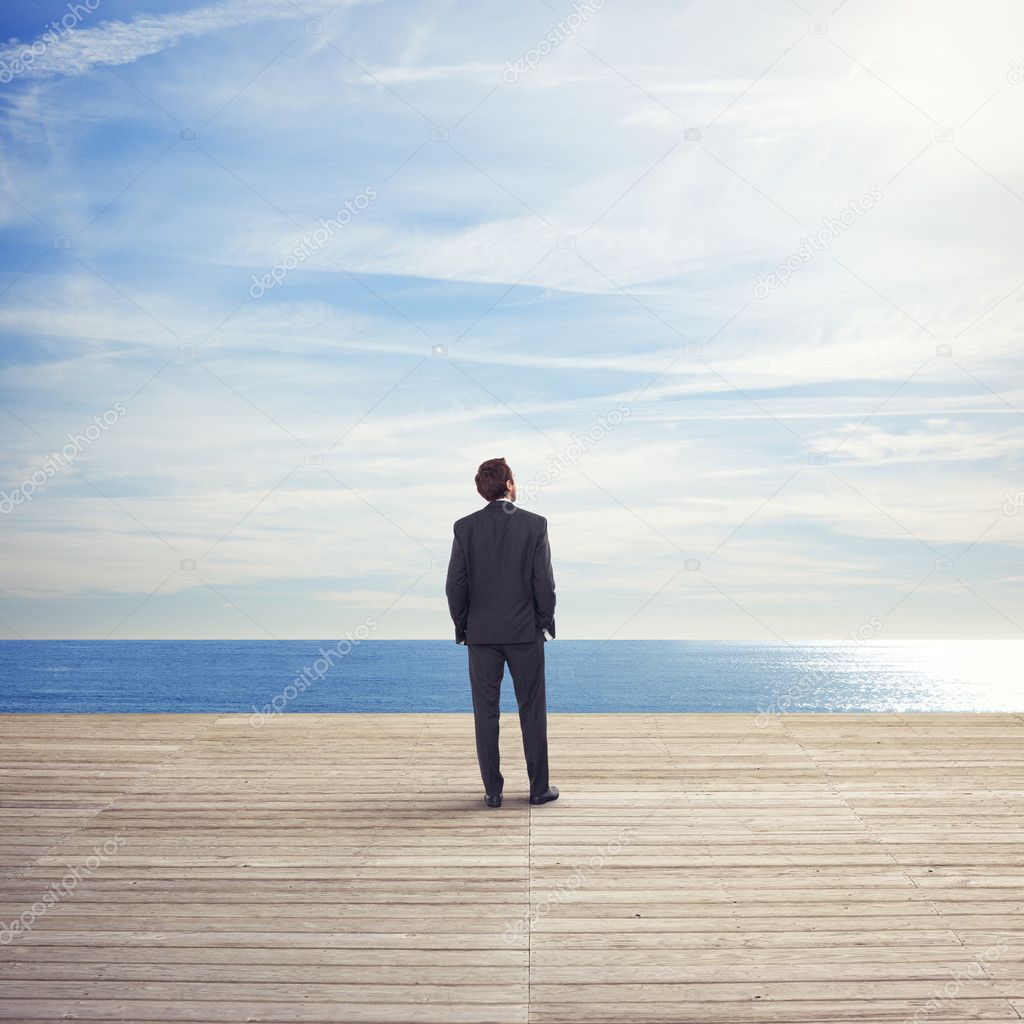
(546, 797)
(492, 799)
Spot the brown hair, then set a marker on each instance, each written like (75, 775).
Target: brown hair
(492, 479)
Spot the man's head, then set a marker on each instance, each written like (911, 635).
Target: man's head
(494, 480)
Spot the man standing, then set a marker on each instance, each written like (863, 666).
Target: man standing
(501, 595)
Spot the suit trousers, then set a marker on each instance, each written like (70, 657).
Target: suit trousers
(526, 666)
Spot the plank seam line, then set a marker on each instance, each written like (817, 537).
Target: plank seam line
(889, 853)
(410, 762)
(869, 833)
(85, 822)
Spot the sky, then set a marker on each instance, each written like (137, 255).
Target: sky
(735, 287)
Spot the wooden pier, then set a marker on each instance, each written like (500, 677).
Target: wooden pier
(699, 868)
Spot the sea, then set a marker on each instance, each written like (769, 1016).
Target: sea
(272, 677)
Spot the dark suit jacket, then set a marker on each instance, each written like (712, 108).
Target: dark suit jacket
(500, 585)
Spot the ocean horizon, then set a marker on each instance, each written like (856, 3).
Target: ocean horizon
(268, 677)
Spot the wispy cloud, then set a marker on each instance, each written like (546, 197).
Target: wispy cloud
(122, 42)
(541, 251)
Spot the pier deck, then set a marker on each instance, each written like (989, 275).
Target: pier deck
(703, 868)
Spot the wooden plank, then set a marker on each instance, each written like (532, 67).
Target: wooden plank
(342, 868)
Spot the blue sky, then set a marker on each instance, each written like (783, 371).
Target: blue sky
(539, 242)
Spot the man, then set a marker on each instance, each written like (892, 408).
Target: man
(501, 595)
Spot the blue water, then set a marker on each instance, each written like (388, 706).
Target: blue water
(582, 675)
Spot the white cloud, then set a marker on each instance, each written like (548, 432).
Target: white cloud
(122, 42)
(581, 151)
